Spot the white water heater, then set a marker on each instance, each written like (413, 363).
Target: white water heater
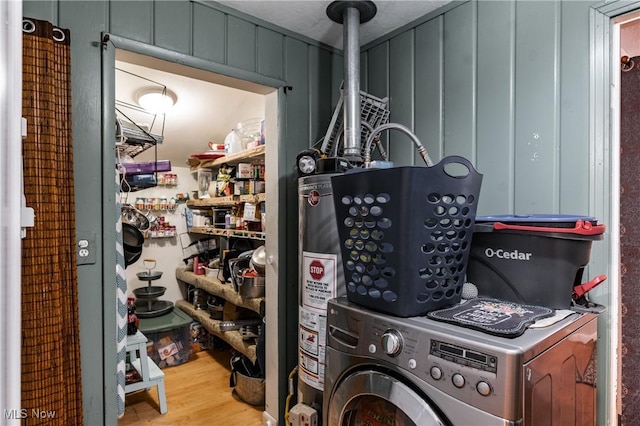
(321, 278)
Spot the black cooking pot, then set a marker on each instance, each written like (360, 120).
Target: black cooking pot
(132, 237)
(131, 257)
(132, 241)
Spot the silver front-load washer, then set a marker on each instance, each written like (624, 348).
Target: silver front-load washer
(383, 370)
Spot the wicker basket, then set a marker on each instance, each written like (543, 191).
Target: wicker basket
(248, 389)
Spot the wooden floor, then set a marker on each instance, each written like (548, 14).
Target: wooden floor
(198, 393)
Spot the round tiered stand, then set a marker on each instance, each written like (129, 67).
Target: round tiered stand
(147, 305)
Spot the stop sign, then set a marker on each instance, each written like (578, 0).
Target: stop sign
(316, 269)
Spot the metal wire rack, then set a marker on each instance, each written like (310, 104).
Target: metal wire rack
(373, 113)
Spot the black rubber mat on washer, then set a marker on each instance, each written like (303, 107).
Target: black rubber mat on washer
(498, 317)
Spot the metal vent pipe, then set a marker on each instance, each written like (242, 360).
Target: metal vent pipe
(351, 34)
(351, 14)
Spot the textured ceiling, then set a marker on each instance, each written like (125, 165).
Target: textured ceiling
(309, 17)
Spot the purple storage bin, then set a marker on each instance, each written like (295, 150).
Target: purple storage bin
(147, 167)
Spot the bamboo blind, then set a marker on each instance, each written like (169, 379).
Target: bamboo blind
(51, 379)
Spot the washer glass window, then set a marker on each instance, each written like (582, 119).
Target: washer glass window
(373, 410)
(374, 398)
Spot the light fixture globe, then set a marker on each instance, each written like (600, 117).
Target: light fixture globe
(156, 100)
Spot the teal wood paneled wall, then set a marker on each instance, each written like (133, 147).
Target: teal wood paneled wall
(375, 77)
(573, 109)
(243, 35)
(270, 53)
(460, 70)
(242, 47)
(536, 107)
(87, 152)
(298, 124)
(506, 85)
(172, 25)
(429, 87)
(209, 34)
(496, 94)
(401, 102)
(502, 83)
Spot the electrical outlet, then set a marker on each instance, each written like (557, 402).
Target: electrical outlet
(86, 248)
(303, 415)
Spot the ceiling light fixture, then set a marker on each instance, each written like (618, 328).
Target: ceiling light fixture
(156, 100)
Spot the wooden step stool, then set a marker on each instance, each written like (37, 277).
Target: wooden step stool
(151, 374)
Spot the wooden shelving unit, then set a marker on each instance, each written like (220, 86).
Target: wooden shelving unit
(255, 155)
(215, 287)
(228, 233)
(229, 200)
(233, 338)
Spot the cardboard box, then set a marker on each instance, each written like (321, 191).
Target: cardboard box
(244, 171)
(251, 212)
(256, 187)
(241, 188)
(232, 312)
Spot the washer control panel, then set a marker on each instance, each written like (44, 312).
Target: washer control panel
(463, 356)
(468, 373)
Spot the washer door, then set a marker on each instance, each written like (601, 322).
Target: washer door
(374, 398)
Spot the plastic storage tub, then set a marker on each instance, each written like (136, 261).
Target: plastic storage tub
(532, 259)
(169, 338)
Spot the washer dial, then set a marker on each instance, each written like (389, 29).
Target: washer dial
(391, 342)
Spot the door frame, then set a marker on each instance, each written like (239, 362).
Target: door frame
(10, 235)
(275, 102)
(604, 21)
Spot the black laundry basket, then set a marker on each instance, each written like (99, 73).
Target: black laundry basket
(405, 234)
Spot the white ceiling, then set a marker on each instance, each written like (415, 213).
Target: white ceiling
(309, 17)
(204, 111)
